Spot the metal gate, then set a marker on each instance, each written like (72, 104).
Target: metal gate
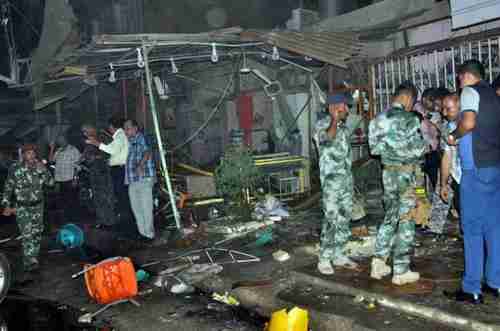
(432, 67)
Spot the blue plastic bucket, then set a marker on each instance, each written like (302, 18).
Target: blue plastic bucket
(70, 236)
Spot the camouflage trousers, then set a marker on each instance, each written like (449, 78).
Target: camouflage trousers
(440, 208)
(398, 227)
(337, 198)
(30, 223)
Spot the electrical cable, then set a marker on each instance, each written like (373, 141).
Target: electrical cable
(210, 116)
(288, 130)
(20, 13)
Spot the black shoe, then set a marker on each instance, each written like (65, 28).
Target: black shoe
(461, 296)
(491, 290)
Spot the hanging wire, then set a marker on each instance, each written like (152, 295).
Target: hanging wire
(26, 19)
(212, 114)
(289, 129)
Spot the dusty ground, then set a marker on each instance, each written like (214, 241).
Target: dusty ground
(267, 281)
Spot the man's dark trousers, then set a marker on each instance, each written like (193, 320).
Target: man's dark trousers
(123, 210)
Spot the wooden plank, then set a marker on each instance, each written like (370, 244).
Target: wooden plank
(110, 39)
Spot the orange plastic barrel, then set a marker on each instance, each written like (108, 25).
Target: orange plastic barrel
(111, 280)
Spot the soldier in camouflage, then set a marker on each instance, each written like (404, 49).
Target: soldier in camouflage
(25, 183)
(332, 139)
(395, 136)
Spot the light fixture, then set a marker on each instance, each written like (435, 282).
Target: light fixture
(272, 88)
(244, 68)
(214, 56)
(140, 59)
(112, 75)
(161, 87)
(174, 67)
(276, 54)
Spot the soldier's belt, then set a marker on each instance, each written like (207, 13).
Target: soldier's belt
(402, 167)
(29, 203)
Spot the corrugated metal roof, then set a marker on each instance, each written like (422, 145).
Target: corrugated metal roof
(330, 47)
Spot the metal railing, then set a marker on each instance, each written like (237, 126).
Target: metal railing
(431, 68)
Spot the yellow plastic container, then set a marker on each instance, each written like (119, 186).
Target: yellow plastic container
(295, 320)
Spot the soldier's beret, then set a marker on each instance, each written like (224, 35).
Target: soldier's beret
(337, 98)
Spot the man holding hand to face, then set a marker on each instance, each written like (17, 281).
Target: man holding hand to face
(332, 139)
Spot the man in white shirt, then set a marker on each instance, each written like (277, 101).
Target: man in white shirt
(118, 151)
(66, 158)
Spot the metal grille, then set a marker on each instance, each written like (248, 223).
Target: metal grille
(431, 68)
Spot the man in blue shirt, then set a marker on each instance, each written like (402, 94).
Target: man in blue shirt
(479, 151)
(140, 177)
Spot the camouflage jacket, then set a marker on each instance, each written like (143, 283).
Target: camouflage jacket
(395, 136)
(26, 184)
(335, 154)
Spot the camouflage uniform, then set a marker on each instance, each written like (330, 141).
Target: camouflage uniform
(27, 186)
(395, 136)
(335, 160)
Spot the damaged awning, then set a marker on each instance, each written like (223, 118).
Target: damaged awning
(330, 47)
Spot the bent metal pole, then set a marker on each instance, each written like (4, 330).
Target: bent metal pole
(163, 162)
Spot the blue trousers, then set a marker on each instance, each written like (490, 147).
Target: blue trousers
(480, 217)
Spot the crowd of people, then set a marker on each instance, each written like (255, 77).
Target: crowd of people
(452, 138)
(122, 175)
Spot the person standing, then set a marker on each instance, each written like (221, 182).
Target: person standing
(332, 139)
(395, 136)
(23, 196)
(450, 165)
(66, 159)
(103, 196)
(479, 150)
(118, 151)
(140, 176)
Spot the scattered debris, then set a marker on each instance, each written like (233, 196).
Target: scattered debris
(2, 241)
(181, 288)
(270, 207)
(87, 318)
(237, 228)
(281, 256)
(362, 247)
(198, 272)
(359, 298)
(142, 275)
(226, 298)
(263, 236)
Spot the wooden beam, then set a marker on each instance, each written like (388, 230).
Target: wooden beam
(111, 39)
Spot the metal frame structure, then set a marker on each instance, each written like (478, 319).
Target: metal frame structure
(434, 66)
